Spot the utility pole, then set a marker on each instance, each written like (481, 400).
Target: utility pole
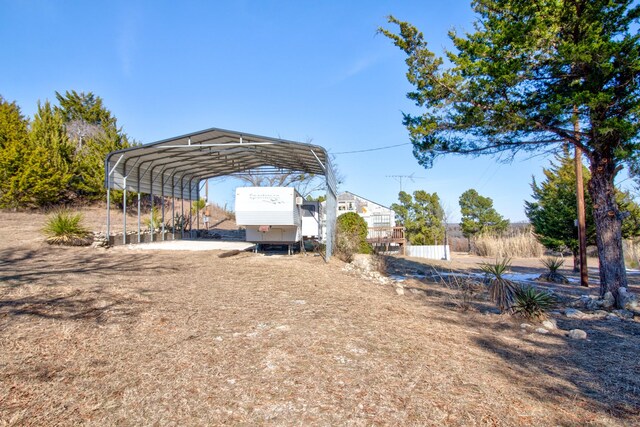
(582, 228)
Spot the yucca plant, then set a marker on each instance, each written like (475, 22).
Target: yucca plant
(501, 290)
(154, 221)
(532, 303)
(553, 264)
(65, 228)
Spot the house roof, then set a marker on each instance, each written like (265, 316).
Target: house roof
(342, 199)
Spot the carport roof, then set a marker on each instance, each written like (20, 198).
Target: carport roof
(176, 165)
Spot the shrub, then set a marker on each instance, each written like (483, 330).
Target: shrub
(553, 264)
(198, 205)
(532, 303)
(501, 290)
(351, 236)
(465, 288)
(65, 228)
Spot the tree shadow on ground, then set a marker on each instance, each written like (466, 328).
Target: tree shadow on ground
(601, 373)
(26, 266)
(88, 305)
(74, 284)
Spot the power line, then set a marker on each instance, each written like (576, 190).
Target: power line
(372, 149)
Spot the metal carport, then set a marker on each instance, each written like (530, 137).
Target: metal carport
(176, 166)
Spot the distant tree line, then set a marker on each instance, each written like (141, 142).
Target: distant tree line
(552, 213)
(58, 156)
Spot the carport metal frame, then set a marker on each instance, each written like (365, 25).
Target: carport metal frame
(177, 166)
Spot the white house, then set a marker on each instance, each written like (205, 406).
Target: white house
(375, 214)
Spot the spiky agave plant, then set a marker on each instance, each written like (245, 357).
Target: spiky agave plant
(553, 264)
(533, 303)
(501, 290)
(65, 228)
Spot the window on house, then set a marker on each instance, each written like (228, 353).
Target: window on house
(381, 220)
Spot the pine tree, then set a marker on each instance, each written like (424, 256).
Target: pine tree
(479, 216)
(527, 73)
(13, 137)
(422, 217)
(44, 176)
(93, 131)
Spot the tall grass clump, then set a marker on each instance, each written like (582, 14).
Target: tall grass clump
(632, 253)
(65, 228)
(521, 244)
(501, 290)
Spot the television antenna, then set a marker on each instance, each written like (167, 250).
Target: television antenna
(411, 177)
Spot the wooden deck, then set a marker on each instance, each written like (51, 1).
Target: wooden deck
(385, 236)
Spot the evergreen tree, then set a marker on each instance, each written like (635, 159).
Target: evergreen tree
(422, 217)
(479, 216)
(45, 174)
(554, 210)
(13, 137)
(94, 133)
(530, 77)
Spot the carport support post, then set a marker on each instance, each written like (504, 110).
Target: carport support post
(162, 201)
(138, 204)
(108, 207)
(151, 215)
(190, 209)
(182, 207)
(124, 209)
(173, 208)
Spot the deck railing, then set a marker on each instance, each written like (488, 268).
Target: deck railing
(386, 235)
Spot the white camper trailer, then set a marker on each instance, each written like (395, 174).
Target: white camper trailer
(275, 215)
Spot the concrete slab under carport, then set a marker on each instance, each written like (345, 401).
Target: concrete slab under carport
(192, 245)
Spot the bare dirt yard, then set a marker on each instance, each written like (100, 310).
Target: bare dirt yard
(116, 336)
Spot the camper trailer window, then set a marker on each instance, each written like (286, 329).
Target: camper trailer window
(308, 211)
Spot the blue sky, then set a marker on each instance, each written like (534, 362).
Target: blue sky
(299, 70)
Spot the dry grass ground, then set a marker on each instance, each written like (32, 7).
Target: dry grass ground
(120, 337)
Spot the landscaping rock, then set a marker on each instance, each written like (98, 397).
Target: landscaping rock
(525, 325)
(613, 317)
(588, 302)
(628, 301)
(623, 314)
(550, 324)
(400, 291)
(600, 314)
(577, 334)
(364, 262)
(572, 313)
(417, 291)
(608, 301)
(542, 331)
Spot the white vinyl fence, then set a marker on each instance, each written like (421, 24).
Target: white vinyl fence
(430, 252)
